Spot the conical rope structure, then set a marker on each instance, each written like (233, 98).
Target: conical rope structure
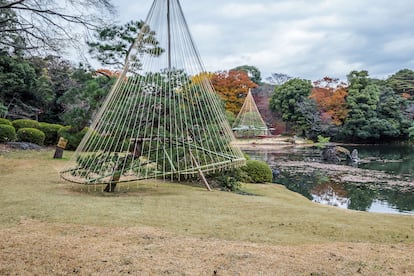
(162, 118)
(249, 122)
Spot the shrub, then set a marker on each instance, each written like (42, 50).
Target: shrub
(411, 133)
(228, 183)
(258, 171)
(5, 122)
(31, 135)
(322, 141)
(25, 123)
(7, 133)
(51, 132)
(74, 138)
(227, 180)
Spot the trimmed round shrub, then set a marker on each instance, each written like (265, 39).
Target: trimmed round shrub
(25, 123)
(5, 122)
(7, 133)
(74, 138)
(258, 171)
(31, 135)
(51, 132)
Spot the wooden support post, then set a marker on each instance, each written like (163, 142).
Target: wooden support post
(58, 153)
(200, 172)
(60, 147)
(110, 187)
(116, 175)
(136, 149)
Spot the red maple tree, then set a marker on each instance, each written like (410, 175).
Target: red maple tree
(232, 86)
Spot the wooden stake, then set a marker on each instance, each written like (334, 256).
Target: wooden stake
(200, 172)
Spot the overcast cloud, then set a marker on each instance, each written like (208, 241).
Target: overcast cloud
(302, 38)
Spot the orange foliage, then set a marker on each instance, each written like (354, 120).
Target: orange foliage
(232, 87)
(328, 82)
(107, 73)
(198, 79)
(330, 96)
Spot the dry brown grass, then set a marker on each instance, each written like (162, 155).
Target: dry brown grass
(39, 248)
(51, 227)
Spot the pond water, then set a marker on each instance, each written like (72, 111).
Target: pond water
(321, 186)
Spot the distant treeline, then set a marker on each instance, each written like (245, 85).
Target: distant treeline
(53, 90)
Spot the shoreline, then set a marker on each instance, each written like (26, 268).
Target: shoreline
(277, 142)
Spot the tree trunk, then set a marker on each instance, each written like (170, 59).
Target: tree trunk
(110, 187)
(135, 151)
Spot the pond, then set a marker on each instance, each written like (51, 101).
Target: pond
(383, 180)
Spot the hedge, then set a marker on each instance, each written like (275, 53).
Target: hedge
(25, 123)
(74, 138)
(5, 122)
(7, 133)
(51, 132)
(31, 135)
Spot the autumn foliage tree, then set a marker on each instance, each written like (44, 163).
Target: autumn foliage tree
(232, 87)
(201, 77)
(330, 96)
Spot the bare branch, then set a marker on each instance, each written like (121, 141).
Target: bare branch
(66, 17)
(11, 4)
(50, 25)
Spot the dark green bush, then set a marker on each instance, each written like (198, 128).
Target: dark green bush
(74, 137)
(51, 132)
(229, 180)
(25, 123)
(7, 133)
(258, 171)
(228, 183)
(31, 135)
(5, 122)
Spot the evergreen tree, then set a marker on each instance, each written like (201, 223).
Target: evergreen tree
(287, 98)
(402, 83)
(19, 86)
(81, 102)
(375, 111)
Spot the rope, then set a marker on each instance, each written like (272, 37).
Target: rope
(249, 122)
(157, 121)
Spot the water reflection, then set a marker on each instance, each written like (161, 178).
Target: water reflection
(319, 187)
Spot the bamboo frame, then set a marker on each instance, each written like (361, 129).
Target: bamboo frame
(157, 121)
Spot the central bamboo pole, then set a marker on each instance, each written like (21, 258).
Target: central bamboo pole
(169, 34)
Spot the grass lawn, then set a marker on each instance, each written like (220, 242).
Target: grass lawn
(49, 226)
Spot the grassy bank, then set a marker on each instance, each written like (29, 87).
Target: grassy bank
(31, 188)
(32, 193)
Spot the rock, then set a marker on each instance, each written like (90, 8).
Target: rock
(329, 155)
(333, 154)
(275, 173)
(354, 156)
(23, 146)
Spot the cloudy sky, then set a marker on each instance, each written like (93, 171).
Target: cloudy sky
(302, 38)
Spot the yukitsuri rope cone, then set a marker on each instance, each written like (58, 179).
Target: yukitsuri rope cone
(249, 122)
(162, 118)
